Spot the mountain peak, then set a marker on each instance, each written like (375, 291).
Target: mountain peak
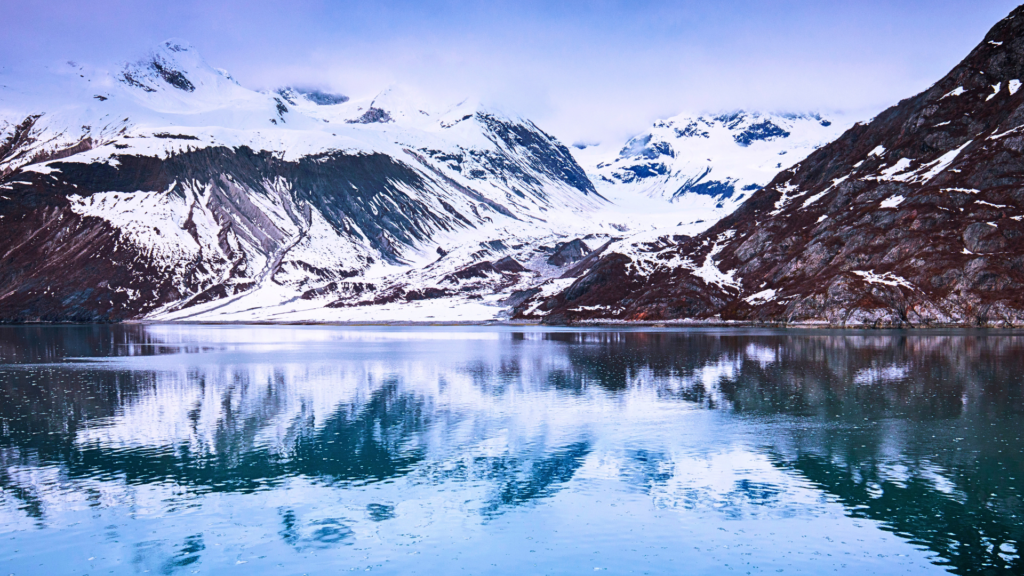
(293, 95)
(178, 45)
(712, 158)
(174, 64)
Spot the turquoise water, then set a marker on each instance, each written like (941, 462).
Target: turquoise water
(499, 450)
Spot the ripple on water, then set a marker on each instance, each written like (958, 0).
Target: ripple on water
(508, 450)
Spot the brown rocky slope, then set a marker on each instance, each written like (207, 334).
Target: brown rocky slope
(914, 218)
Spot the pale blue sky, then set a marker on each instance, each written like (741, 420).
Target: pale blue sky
(592, 70)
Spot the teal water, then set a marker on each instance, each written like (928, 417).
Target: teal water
(500, 450)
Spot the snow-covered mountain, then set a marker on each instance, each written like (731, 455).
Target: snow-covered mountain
(162, 189)
(165, 189)
(705, 165)
(913, 218)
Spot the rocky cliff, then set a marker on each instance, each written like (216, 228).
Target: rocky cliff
(913, 218)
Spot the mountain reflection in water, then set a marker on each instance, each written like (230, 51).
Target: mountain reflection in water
(498, 450)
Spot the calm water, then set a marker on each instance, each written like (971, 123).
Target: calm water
(282, 450)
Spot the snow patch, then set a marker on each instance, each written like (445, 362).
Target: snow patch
(955, 92)
(1005, 134)
(898, 168)
(900, 172)
(819, 195)
(892, 202)
(943, 162)
(597, 308)
(889, 279)
(710, 273)
(694, 167)
(786, 190)
(152, 222)
(995, 91)
(761, 297)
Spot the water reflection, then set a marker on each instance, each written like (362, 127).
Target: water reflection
(284, 445)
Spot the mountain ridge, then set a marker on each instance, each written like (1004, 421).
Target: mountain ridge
(166, 188)
(913, 219)
(706, 163)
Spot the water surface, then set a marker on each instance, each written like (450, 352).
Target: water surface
(498, 450)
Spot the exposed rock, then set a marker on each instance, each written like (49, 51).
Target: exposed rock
(568, 252)
(983, 237)
(508, 264)
(372, 116)
(520, 296)
(913, 219)
(478, 270)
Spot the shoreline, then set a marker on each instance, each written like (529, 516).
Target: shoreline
(608, 323)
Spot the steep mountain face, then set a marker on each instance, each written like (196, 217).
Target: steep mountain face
(707, 165)
(914, 218)
(166, 190)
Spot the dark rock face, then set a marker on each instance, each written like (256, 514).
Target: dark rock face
(568, 252)
(142, 74)
(55, 277)
(547, 155)
(371, 116)
(56, 265)
(916, 218)
(173, 77)
(509, 264)
(764, 130)
(692, 130)
(706, 187)
(483, 270)
(318, 97)
(478, 270)
(324, 98)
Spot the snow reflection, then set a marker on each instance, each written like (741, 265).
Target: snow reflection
(388, 439)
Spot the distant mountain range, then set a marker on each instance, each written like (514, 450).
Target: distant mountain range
(914, 218)
(163, 190)
(705, 165)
